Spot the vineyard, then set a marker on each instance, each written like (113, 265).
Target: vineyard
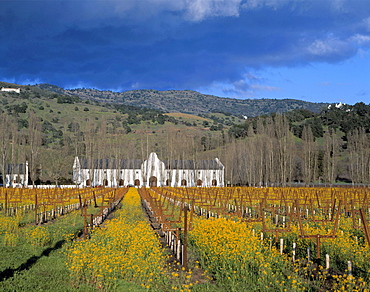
(186, 239)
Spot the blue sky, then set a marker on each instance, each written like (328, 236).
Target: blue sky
(314, 50)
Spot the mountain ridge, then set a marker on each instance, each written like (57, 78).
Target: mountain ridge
(188, 101)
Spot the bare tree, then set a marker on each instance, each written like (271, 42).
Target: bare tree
(331, 155)
(282, 135)
(358, 148)
(34, 143)
(5, 139)
(56, 162)
(262, 147)
(90, 139)
(308, 154)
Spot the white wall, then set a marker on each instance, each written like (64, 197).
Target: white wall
(149, 168)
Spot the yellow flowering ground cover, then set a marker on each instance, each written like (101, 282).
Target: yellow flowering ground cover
(237, 259)
(348, 245)
(33, 256)
(230, 245)
(125, 248)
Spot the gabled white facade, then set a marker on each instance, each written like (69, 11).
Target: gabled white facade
(16, 175)
(150, 172)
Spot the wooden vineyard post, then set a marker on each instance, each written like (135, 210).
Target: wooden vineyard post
(185, 255)
(191, 215)
(318, 243)
(366, 228)
(79, 197)
(281, 245)
(95, 204)
(36, 208)
(6, 203)
(318, 236)
(327, 262)
(92, 220)
(349, 264)
(84, 214)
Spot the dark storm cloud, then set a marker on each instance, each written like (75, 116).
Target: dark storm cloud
(172, 44)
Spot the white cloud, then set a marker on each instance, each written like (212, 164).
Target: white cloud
(366, 23)
(362, 53)
(255, 4)
(199, 9)
(78, 84)
(332, 46)
(193, 10)
(135, 85)
(326, 47)
(338, 5)
(264, 87)
(360, 39)
(247, 87)
(251, 76)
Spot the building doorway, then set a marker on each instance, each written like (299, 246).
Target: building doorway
(152, 181)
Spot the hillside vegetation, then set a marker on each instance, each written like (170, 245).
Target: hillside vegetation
(187, 101)
(49, 126)
(71, 126)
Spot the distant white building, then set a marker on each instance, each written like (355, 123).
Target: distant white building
(150, 172)
(17, 90)
(337, 105)
(16, 175)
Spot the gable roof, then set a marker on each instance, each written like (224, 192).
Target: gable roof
(16, 168)
(213, 164)
(111, 163)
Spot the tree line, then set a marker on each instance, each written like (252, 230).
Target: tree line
(278, 149)
(300, 146)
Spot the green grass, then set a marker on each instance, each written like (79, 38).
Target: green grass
(48, 273)
(129, 287)
(41, 266)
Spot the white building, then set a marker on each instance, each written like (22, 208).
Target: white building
(17, 90)
(16, 175)
(150, 172)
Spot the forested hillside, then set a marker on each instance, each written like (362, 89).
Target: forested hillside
(187, 101)
(49, 128)
(302, 146)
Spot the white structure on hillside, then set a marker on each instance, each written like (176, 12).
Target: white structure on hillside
(16, 175)
(150, 172)
(17, 90)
